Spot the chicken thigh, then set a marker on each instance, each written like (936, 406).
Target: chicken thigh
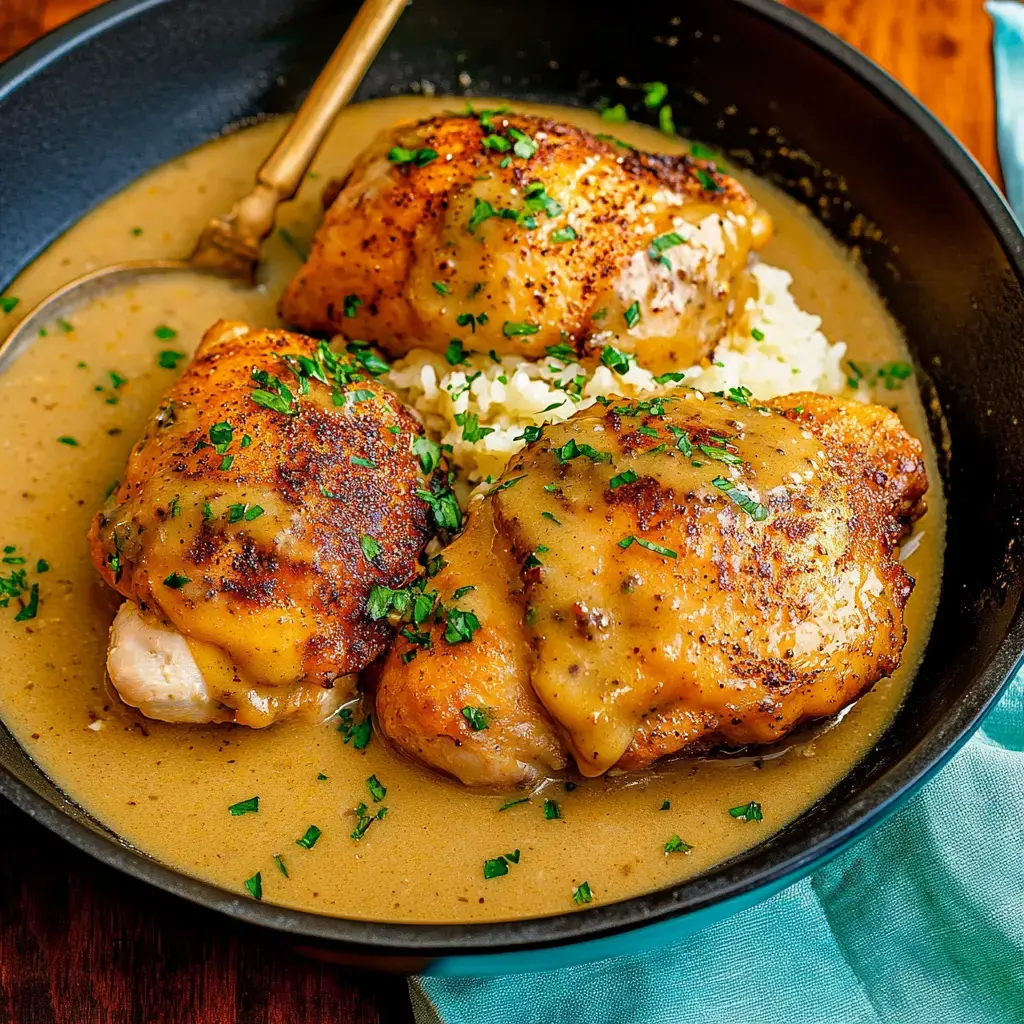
(518, 233)
(660, 576)
(274, 487)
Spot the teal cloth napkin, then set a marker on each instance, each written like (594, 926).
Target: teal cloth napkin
(921, 923)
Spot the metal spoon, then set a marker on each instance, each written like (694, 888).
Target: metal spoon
(229, 245)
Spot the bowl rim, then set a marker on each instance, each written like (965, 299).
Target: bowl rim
(795, 856)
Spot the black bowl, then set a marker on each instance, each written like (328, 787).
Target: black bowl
(118, 91)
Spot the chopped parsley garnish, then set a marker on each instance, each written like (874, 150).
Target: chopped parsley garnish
(377, 791)
(226, 462)
(754, 509)
(255, 886)
(515, 329)
(892, 375)
(165, 333)
(670, 377)
(702, 152)
(571, 450)
(358, 460)
(477, 718)
(372, 362)
(176, 580)
(350, 306)
(68, 440)
(740, 395)
(654, 94)
(455, 353)
(683, 442)
(441, 288)
(308, 841)
(676, 845)
(427, 451)
(615, 360)
(562, 351)
(566, 234)
(505, 485)
(665, 122)
(364, 820)
(551, 516)
(499, 865)
(460, 626)
(599, 314)
(358, 732)
(471, 429)
(720, 455)
(666, 805)
(462, 592)
(369, 546)
(649, 545)
(747, 812)
(30, 608)
(239, 511)
(706, 181)
(117, 381)
(757, 334)
(515, 802)
(524, 147)
(8, 302)
(616, 114)
(42, 565)
(320, 777)
(551, 810)
(632, 314)
(656, 250)
(250, 806)
(582, 893)
(482, 210)
(420, 157)
(444, 506)
(496, 142)
(625, 477)
(169, 359)
(279, 861)
(64, 325)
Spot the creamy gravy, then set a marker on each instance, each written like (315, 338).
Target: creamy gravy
(166, 789)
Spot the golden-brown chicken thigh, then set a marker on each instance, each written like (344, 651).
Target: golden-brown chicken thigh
(685, 571)
(517, 233)
(273, 488)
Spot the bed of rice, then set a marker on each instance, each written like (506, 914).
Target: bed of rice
(785, 351)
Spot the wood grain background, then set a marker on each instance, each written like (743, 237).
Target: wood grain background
(81, 944)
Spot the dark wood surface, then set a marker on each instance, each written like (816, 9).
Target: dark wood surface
(81, 944)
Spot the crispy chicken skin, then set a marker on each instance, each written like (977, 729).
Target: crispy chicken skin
(557, 245)
(684, 572)
(274, 486)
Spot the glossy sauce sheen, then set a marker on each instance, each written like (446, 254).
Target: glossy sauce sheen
(166, 789)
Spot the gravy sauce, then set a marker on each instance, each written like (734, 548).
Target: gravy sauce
(72, 406)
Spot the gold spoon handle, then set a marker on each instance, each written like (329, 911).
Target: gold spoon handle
(230, 245)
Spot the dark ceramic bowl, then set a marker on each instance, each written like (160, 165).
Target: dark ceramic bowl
(113, 94)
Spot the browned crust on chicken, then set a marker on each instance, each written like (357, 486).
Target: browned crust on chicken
(269, 526)
(740, 623)
(393, 230)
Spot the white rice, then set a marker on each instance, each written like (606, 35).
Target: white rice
(787, 353)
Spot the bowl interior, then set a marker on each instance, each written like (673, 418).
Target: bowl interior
(139, 81)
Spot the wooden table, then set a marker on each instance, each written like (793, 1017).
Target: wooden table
(81, 944)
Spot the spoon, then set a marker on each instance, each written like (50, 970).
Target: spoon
(229, 245)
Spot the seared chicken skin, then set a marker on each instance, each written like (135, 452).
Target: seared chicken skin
(273, 488)
(663, 576)
(518, 233)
